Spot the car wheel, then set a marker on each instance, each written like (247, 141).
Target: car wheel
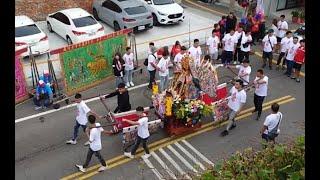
(69, 41)
(95, 15)
(155, 20)
(49, 27)
(116, 26)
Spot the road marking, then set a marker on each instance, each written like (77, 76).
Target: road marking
(182, 159)
(174, 163)
(74, 104)
(164, 166)
(119, 160)
(208, 9)
(153, 169)
(190, 156)
(198, 153)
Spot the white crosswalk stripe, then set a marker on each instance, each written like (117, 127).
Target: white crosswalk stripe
(198, 153)
(190, 156)
(164, 166)
(185, 162)
(155, 171)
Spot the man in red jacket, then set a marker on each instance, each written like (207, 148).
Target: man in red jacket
(299, 59)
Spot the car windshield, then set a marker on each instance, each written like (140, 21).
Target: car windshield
(135, 10)
(27, 30)
(162, 2)
(84, 21)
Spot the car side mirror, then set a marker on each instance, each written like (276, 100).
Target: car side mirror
(149, 2)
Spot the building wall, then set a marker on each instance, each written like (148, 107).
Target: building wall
(39, 9)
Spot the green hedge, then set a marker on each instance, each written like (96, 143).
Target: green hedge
(278, 162)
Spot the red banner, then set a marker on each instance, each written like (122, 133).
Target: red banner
(21, 92)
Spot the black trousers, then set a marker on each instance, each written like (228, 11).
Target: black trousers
(243, 55)
(89, 156)
(226, 57)
(258, 101)
(136, 145)
(152, 77)
(236, 54)
(281, 55)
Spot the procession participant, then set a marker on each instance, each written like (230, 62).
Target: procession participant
(244, 71)
(81, 118)
(291, 51)
(163, 68)
(282, 28)
(235, 104)
(128, 59)
(118, 68)
(43, 96)
(122, 97)
(239, 34)
(152, 65)
(151, 45)
(178, 58)
(245, 47)
(95, 147)
(231, 22)
(299, 59)
(143, 133)
(269, 42)
(284, 44)
(47, 78)
(229, 44)
(261, 89)
(176, 48)
(195, 52)
(212, 46)
(270, 129)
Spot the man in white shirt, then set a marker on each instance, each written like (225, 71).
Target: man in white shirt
(212, 46)
(151, 45)
(269, 42)
(236, 102)
(81, 118)
(195, 52)
(245, 47)
(143, 133)
(270, 129)
(178, 58)
(291, 51)
(229, 42)
(239, 34)
(282, 28)
(152, 66)
(163, 68)
(261, 85)
(95, 147)
(284, 44)
(128, 66)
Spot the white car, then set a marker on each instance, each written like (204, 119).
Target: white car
(74, 25)
(28, 34)
(165, 11)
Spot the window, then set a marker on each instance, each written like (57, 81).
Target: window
(61, 17)
(135, 10)
(112, 6)
(84, 21)
(162, 2)
(26, 30)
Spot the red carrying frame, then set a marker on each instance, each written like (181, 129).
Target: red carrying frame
(221, 92)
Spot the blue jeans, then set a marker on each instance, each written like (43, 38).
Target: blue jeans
(41, 102)
(119, 80)
(128, 76)
(164, 81)
(289, 67)
(76, 130)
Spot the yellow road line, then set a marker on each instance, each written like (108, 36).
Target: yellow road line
(208, 9)
(138, 155)
(122, 159)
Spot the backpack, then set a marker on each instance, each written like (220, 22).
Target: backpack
(146, 60)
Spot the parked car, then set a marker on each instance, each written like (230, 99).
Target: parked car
(123, 14)
(74, 25)
(165, 11)
(28, 34)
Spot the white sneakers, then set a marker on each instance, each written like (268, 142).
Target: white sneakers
(146, 156)
(71, 142)
(87, 143)
(129, 155)
(128, 84)
(102, 168)
(80, 167)
(131, 83)
(37, 108)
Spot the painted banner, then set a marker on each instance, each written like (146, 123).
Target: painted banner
(87, 66)
(21, 92)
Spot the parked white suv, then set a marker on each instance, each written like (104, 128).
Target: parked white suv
(165, 11)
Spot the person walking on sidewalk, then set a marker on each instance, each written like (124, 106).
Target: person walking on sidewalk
(269, 42)
(212, 46)
(284, 44)
(245, 47)
(299, 59)
(118, 68)
(163, 68)
(95, 147)
(261, 85)
(235, 104)
(291, 51)
(128, 59)
(123, 98)
(270, 129)
(81, 118)
(143, 133)
(152, 65)
(229, 44)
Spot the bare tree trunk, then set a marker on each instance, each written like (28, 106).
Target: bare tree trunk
(231, 6)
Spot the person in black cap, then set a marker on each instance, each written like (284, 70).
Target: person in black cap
(269, 43)
(123, 98)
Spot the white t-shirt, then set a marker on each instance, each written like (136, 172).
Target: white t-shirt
(267, 45)
(282, 25)
(95, 138)
(238, 35)
(285, 42)
(244, 70)
(275, 29)
(292, 49)
(272, 121)
(237, 98)
(82, 110)
(151, 59)
(177, 59)
(164, 66)
(213, 42)
(143, 130)
(244, 40)
(195, 54)
(229, 42)
(261, 89)
(128, 59)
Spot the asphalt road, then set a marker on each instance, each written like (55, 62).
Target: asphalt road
(41, 152)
